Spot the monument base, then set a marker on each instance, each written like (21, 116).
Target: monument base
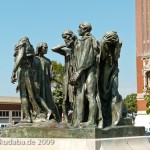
(82, 133)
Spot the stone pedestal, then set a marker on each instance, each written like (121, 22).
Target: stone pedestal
(50, 135)
(82, 133)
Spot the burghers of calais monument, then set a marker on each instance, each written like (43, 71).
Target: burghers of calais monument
(90, 88)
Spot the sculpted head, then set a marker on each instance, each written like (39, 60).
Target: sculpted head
(110, 40)
(42, 48)
(23, 40)
(69, 38)
(112, 43)
(84, 28)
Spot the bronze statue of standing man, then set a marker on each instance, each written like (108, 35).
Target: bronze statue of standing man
(84, 79)
(43, 75)
(68, 51)
(23, 62)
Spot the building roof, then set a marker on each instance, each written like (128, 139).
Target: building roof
(9, 100)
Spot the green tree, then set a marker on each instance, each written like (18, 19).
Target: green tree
(59, 73)
(147, 98)
(131, 102)
(57, 90)
(58, 98)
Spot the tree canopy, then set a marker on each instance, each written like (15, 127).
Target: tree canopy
(131, 102)
(57, 90)
(58, 69)
(147, 98)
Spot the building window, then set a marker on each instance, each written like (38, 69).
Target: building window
(3, 126)
(16, 113)
(148, 79)
(4, 113)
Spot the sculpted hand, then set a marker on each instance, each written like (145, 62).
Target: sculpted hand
(74, 77)
(13, 78)
(17, 89)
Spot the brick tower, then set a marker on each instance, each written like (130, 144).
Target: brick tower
(142, 52)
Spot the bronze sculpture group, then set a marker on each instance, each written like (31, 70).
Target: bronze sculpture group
(90, 79)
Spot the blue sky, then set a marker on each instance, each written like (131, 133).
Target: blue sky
(45, 20)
